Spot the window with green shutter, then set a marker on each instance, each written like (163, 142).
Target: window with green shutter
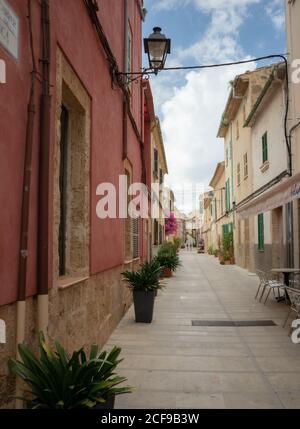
(225, 230)
(265, 147)
(261, 233)
(228, 195)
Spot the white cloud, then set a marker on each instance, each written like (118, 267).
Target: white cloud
(203, 5)
(192, 108)
(276, 12)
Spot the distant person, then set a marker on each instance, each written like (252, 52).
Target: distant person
(189, 243)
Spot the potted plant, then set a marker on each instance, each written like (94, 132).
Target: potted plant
(169, 263)
(221, 257)
(144, 284)
(228, 249)
(227, 260)
(210, 250)
(59, 381)
(168, 259)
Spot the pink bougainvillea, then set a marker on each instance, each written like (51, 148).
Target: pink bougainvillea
(171, 224)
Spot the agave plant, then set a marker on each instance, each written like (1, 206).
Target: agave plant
(146, 278)
(60, 381)
(168, 247)
(168, 257)
(170, 261)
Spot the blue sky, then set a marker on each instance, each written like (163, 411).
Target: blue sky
(190, 104)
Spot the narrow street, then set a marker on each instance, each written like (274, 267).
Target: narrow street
(173, 364)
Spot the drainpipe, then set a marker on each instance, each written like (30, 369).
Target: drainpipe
(232, 175)
(44, 154)
(125, 106)
(25, 211)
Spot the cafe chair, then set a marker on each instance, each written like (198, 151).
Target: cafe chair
(294, 297)
(294, 282)
(262, 281)
(267, 283)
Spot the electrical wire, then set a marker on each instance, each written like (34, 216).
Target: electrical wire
(252, 60)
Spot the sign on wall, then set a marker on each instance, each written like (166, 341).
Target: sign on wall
(9, 29)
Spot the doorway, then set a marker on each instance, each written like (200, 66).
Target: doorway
(277, 237)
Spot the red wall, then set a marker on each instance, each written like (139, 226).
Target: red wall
(72, 30)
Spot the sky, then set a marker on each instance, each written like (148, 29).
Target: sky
(190, 103)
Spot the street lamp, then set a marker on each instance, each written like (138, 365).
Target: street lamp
(157, 46)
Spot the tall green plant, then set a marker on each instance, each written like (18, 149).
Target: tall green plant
(170, 261)
(59, 381)
(227, 245)
(167, 256)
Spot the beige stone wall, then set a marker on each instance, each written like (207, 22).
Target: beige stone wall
(79, 315)
(293, 34)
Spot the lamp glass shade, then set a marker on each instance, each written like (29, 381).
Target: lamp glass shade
(157, 46)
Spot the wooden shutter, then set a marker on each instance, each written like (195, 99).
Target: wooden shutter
(228, 195)
(155, 167)
(238, 174)
(63, 188)
(261, 238)
(135, 237)
(245, 166)
(265, 147)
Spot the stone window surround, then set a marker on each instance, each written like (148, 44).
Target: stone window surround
(128, 244)
(74, 96)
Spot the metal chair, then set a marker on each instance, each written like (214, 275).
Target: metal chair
(294, 282)
(268, 282)
(294, 296)
(262, 281)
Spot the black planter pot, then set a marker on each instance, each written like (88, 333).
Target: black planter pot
(143, 306)
(108, 405)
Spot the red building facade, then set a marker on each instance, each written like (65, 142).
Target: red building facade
(69, 122)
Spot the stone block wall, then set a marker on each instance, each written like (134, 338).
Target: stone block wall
(79, 315)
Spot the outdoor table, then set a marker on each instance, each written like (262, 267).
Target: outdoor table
(286, 275)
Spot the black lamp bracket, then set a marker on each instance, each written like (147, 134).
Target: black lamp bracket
(128, 78)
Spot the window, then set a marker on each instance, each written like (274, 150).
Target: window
(161, 177)
(216, 209)
(227, 229)
(128, 222)
(135, 237)
(129, 53)
(71, 226)
(160, 234)
(261, 234)
(226, 157)
(238, 174)
(63, 190)
(155, 233)
(265, 147)
(155, 167)
(245, 166)
(228, 195)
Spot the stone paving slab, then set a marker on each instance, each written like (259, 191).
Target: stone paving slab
(175, 365)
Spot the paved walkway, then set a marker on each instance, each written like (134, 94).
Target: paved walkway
(175, 365)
